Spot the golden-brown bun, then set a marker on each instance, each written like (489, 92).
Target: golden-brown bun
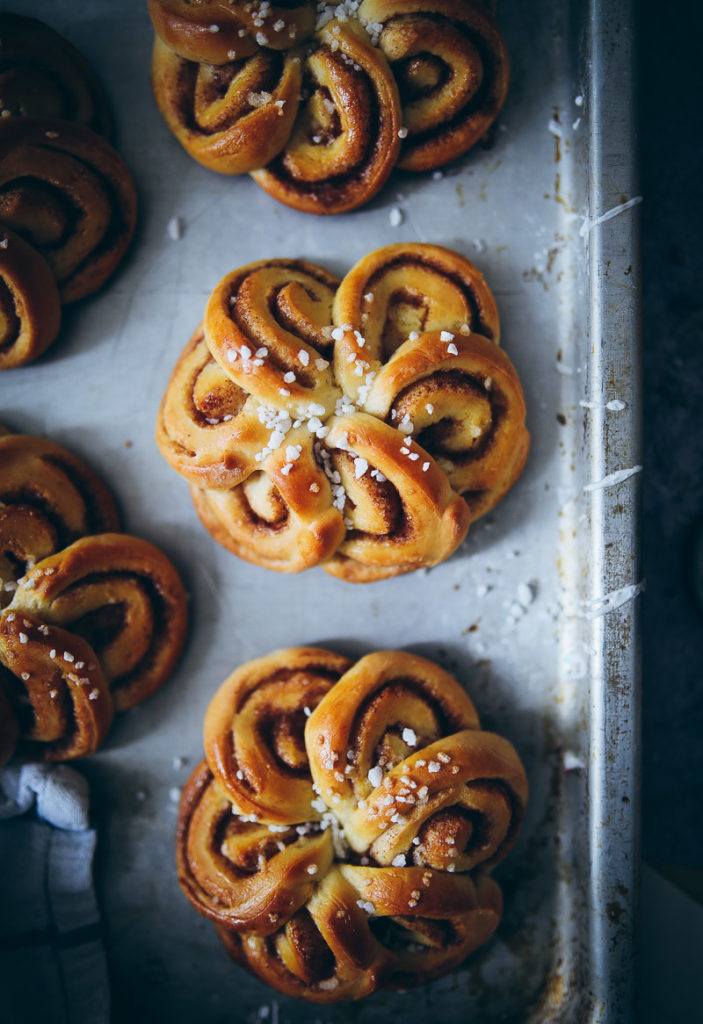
(359, 425)
(268, 326)
(374, 876)
(30, 308)
(220, 31)
(208, 427)
(54, 689)
(44, 76)
(124, 597)
(68, 193)
(345, 140)
(48, 499)
(451, 65)
(400, 289)
(230, 117)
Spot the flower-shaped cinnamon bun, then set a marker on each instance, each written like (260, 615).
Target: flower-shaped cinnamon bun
(341, 831)
(359, 425)
(320, 127)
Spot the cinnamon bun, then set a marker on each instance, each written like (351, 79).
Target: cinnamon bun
(341, 831)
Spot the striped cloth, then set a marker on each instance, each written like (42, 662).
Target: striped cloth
(52, 961)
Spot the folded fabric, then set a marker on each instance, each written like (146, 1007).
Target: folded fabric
(52, 962)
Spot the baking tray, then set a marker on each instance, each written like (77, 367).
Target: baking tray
(547, 208)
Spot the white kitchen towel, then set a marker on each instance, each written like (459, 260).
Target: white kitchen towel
(52, 961)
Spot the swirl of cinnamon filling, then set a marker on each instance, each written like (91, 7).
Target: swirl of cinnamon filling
(281, 516)
(54, 689)
(254, 732)
(30, 308)
(451, 65)
(208, 427)
(464, 400)
(68, 193)
(48, 499)
(42, 75)
(230, 117)
(363, 929)
(345, 139)
(370, 882)
(220, 31)
(124, 597)
(268, 326)
(398, 291)
(400, 511)
(243, 873)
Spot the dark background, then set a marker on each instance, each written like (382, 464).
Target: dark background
(671, 153)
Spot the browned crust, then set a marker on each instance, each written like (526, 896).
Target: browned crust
(68, 87)
(109, 564)
(30, 307)
(240, 137)
(32, 146)
(287, 178)
(186, 28)
(70, 700)
(430, 25)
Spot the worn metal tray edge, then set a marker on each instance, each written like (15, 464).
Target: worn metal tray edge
(613, 444)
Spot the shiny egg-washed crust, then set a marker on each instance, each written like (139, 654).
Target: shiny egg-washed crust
(467, 408)
(221, 31)
(410, 519)
(345, 139)
(460, 790)
(67, 192)
(254, 731)
(124, 597)
(218, 852)
(332, 936)
(403, 288)
(30, 307)
(208, 428)
(42, 75)
(377, 876)
(278, 518)
(451, 65)
(276, 312)
(232, 117)
(48, 499)
(54, 689)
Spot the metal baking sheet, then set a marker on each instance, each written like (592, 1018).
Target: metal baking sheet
(548, 211)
